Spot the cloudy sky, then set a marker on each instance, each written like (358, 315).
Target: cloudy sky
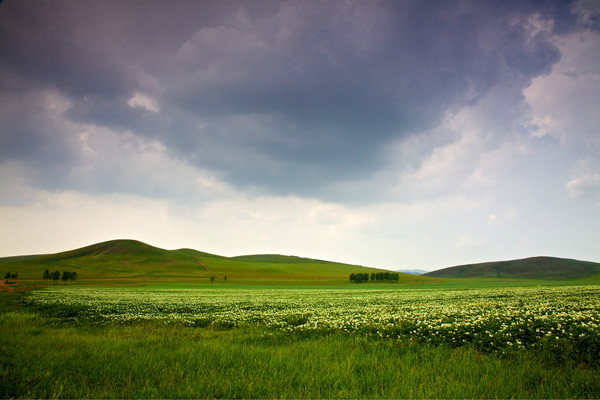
(395, 134)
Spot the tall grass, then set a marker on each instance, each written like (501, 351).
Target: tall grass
(47, 358)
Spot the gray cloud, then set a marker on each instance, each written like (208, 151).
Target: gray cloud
(287, 97)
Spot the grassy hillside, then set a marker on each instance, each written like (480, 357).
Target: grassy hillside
(547, 268)
(130, 260)
(278, 259)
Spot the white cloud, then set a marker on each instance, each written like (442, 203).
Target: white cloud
(583, 186)
(564, 104)
(54, 102)
(86, 150)
(140, 100)
(586, 180)
(468, 152)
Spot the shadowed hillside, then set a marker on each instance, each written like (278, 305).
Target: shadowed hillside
(131, 260)
(547, 268)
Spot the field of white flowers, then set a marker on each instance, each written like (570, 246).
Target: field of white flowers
(497, 319)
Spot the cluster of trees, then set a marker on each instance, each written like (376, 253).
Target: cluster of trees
(385, 276)
(358, 278)
(56, 275)
(379, 276)
(10, 276)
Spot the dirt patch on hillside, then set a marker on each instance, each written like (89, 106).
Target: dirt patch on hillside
(6, 288)
(17, 287)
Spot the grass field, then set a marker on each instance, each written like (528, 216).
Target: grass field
(201, 341)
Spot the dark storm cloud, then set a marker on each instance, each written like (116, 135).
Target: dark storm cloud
(52, 44)
(286, 96)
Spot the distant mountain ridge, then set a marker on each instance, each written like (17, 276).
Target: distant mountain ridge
(412, 271)
(545, 268)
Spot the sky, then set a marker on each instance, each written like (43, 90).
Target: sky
(391, 134)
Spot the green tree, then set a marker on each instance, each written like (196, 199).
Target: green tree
(56, 276)
(8, 275)
(46, 275)
(212, 278)
(69, 276)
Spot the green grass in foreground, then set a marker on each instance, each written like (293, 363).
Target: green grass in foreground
(42, 357)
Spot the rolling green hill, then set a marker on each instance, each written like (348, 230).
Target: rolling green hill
(545, 268)
(134, 261)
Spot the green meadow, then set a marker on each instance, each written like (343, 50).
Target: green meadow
(142, 322)
(251, 342)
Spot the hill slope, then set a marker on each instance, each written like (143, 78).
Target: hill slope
(546, 268)
(136, 261)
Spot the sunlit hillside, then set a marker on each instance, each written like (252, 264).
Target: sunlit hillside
(130, 260)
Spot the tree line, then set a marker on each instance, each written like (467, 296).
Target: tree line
(375, 276)
(56, 275)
